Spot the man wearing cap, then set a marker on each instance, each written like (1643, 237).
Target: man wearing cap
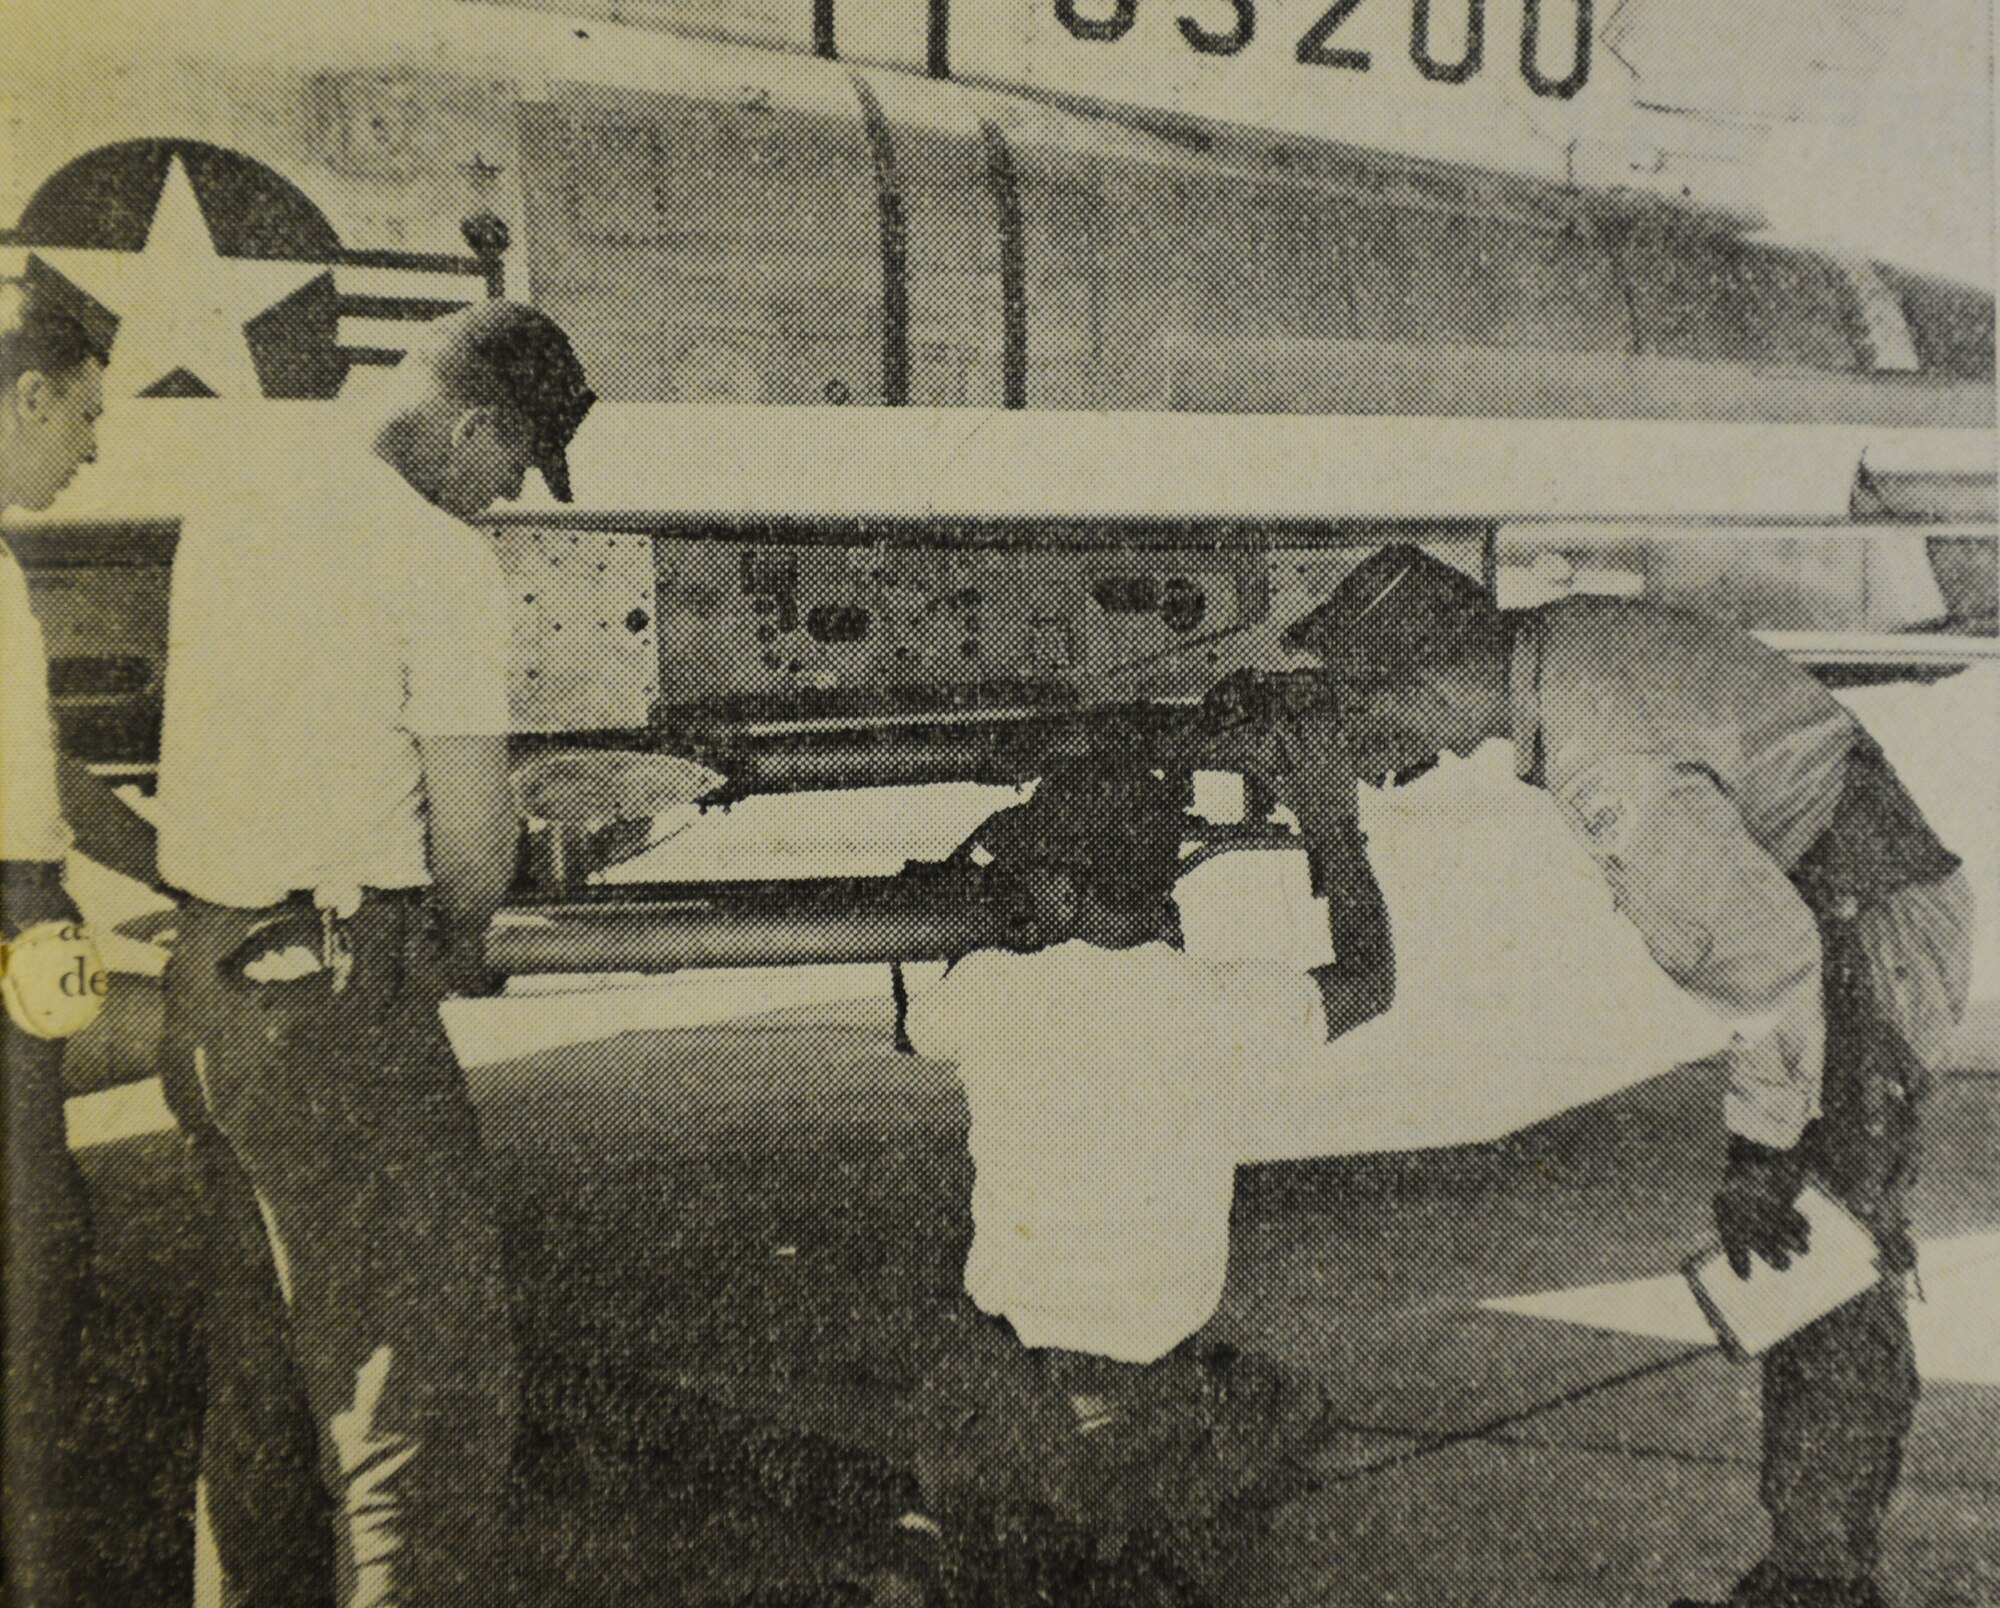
(52, 357)
(334, 800)
(1776, 867)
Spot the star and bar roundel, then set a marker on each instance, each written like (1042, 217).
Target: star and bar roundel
(226, 279)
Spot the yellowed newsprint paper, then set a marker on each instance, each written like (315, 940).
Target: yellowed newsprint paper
(981, 803)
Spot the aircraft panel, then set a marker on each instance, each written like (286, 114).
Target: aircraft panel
(1951, 325)
(1304, 236)
(1795, 311)
(1179, 269)
(586, 649)
(1062, 226)
(1552, 287)
(956, 276)
(710, 251)
(1676, 278)
(867, 630)
(1718, 298)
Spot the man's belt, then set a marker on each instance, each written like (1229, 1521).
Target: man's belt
(1877, 844)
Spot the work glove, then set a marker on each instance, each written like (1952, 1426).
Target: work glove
(1243, 708)
(1756, 1211)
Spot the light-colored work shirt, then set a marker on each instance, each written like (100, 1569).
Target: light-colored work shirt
(1698, 767)
(1106, 1091)
(31, 819)
(313, 638)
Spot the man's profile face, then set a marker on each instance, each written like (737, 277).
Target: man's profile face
(1447, 702)
(489, 460)
(55, 434)
(1389, 736)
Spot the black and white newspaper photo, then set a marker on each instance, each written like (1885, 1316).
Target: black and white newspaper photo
(999, 804)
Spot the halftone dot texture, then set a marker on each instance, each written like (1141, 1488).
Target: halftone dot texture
(740, 1249)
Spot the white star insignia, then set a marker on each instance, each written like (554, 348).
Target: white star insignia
(181, 304)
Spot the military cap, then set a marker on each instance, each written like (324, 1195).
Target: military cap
(1397, 609)
(506, 353)
(52, 321)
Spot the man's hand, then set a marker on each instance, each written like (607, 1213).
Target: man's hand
(474, 845)
(32, 892)
(1756, 1211)
(1282, 729)
(1240, 698)
(1275, 727)
(1245, 710)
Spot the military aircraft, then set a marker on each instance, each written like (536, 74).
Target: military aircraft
(956, 407)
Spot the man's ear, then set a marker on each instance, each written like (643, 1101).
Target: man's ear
(473, 422)
(34, 395)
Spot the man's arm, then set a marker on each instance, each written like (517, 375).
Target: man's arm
(456, 611)
(1282, 730)
(1722, 919)
(1317, 782)
(1360, 985)
(474, 843)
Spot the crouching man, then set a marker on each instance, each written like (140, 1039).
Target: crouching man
(1104, 1071)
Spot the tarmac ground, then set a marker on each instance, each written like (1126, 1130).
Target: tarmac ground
(739, 1254)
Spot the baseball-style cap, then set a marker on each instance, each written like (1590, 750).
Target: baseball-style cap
(1397, 609)
(506, 353)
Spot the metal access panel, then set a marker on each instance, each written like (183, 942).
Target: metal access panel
(586, 643)
(711, 243)
(774, 628)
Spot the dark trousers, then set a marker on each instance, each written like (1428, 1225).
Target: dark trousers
(50, 1294)
(1839, 1397)
(355, 1266)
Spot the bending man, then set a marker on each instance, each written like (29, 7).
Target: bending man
(1770, 857)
